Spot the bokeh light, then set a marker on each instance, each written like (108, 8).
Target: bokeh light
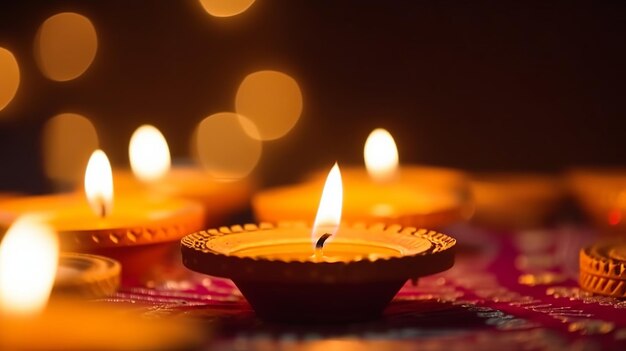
(68, 141)
(9, 77)
(65, 46)
(223, 148)
(272, 100)
(225, 8)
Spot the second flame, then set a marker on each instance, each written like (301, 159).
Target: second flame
(149, 154)
(381, 155)
(99, 183)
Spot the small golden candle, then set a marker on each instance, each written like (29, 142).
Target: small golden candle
(382, 192)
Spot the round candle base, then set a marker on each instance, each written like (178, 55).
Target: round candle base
(315, 303)
(86, 276)
(360, 271)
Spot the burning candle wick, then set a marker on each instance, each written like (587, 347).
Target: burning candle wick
(319, 245)
(103, 209)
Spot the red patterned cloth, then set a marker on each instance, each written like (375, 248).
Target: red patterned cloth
(513, 291)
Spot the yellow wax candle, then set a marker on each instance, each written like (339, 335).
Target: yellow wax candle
(413, 196)
(291, 243)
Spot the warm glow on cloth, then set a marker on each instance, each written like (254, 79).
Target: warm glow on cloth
(272, 100)
(68, 141)
(381, 155)
(149, 154)
(65, 46)
(99, 183)
(9, 77)
(29, 255)
(328, 215)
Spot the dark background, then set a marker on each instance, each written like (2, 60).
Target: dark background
(497, 85)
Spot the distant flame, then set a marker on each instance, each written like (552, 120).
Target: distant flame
(381, 155)
(99, 183)
(29, 255)
(328, 215)
(149, 154)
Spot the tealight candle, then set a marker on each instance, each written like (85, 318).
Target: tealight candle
(515, 200)
(325, 273)
(28, 261)
(138, 232)
(153, 175)
(86, 276)
(601, 193)
(383, 192)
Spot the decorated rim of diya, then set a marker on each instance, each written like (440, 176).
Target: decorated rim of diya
(602, 285)
(603, 269)
(184, 218)
(605, 260)
(96, 276)
(207, 252)
(153, 232)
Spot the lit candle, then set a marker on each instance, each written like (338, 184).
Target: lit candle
(139, 232)
(28, 263)
(330, 272)
(383, 192)
(153, 175)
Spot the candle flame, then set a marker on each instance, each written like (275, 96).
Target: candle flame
(381, 155)
(29, 255)
(149, 154)
(99, 183)
(328, 215)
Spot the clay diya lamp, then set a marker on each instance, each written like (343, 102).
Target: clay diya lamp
(603, 269)
(138, 232)
(325, 274)
(153, 175)
(515, 200)
(427, 197)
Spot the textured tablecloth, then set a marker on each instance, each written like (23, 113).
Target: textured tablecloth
(514, 291)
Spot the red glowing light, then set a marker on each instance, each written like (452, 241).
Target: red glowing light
(615, 217)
